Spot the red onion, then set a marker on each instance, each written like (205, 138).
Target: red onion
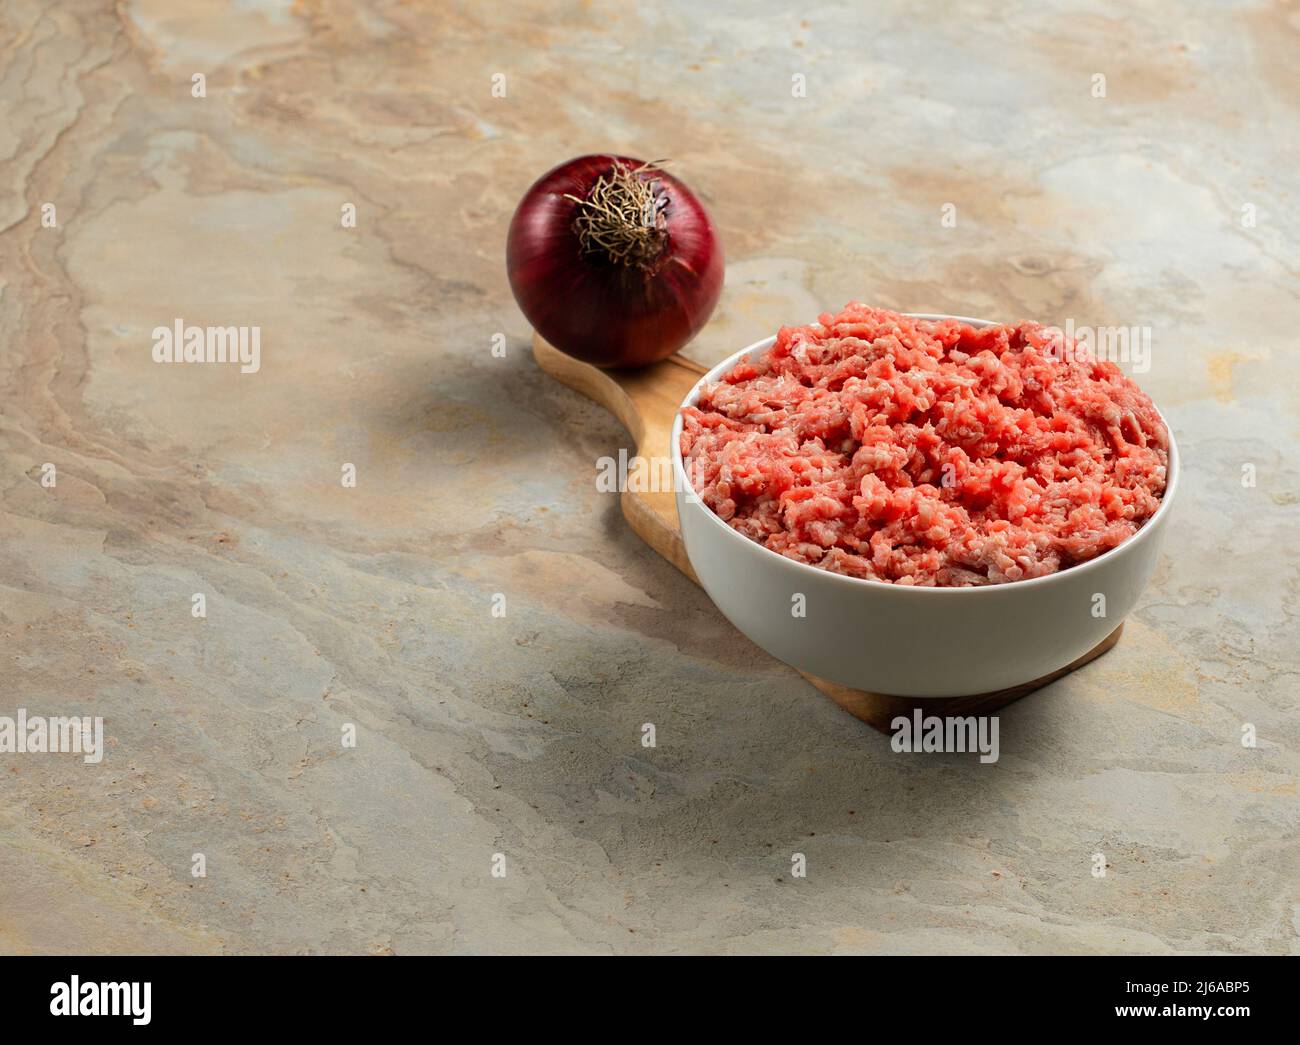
(614, 261)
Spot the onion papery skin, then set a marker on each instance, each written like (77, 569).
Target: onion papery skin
(598, 310)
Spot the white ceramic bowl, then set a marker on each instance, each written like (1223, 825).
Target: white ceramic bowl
(903, 640)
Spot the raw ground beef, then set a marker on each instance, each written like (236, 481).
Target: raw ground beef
(927, 452)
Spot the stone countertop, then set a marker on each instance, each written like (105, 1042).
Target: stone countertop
(827, 147)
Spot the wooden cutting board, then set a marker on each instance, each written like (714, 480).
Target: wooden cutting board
(645, 402)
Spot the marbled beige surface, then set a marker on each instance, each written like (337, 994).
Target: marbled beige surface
(521, 735)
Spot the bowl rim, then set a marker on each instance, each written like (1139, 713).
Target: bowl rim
(685, 490)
